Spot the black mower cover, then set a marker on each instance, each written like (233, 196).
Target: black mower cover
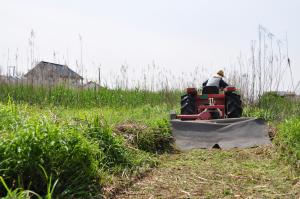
(220, 133)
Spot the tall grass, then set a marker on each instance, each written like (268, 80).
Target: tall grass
(79, 157)
(267, 67)
(273, 108)
(283, 114)
(27, 142)
(70, 97)
(288, 141)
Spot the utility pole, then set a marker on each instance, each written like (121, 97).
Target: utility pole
(259, 60)
(289, 61)
(272, 61)
(16, 65)
(80, 39)
(31, 43)
(99, 75)
(7, 66)
(54, 57)
(253, 72)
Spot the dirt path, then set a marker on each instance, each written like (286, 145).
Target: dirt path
(250, 173)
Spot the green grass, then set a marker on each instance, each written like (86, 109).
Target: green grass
(74, 146)
(86, 140)
(273, 108)
(284, 115)
(82, 98)
(73, 134)
(288, 141)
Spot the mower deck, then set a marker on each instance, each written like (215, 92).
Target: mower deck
(220, 133)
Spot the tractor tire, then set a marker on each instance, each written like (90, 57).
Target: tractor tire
(233, 105)
(188, 104)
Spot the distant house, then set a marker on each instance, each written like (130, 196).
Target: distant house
(282, 93)
(91, 85)
(285, 93)
(9, 79)
(46, 73)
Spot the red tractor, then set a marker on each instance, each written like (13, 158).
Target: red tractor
(213, 119)
(210, 104)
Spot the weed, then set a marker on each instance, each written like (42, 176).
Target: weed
(288, 141)
(284, 113)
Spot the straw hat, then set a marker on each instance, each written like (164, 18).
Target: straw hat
(221, 73)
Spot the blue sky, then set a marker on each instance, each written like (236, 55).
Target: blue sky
(178, 35)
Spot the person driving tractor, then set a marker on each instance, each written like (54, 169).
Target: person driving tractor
(216, 80)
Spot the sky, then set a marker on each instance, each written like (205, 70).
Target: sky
(174, 34)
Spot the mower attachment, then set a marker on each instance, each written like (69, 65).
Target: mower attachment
(219, 133)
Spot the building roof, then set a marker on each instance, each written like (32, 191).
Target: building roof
(92, 84)
(54, 69)
(6, 77)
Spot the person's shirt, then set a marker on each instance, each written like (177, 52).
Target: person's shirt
(215, 81)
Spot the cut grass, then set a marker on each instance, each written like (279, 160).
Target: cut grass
(249, 173)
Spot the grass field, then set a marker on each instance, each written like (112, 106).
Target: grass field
(85, 144)
(73, 143)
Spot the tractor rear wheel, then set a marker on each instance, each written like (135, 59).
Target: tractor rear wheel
(233, 105)
(188, 104)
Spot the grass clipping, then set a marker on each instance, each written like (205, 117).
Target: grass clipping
(155, 137)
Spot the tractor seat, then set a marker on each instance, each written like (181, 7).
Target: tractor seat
(210, 90)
